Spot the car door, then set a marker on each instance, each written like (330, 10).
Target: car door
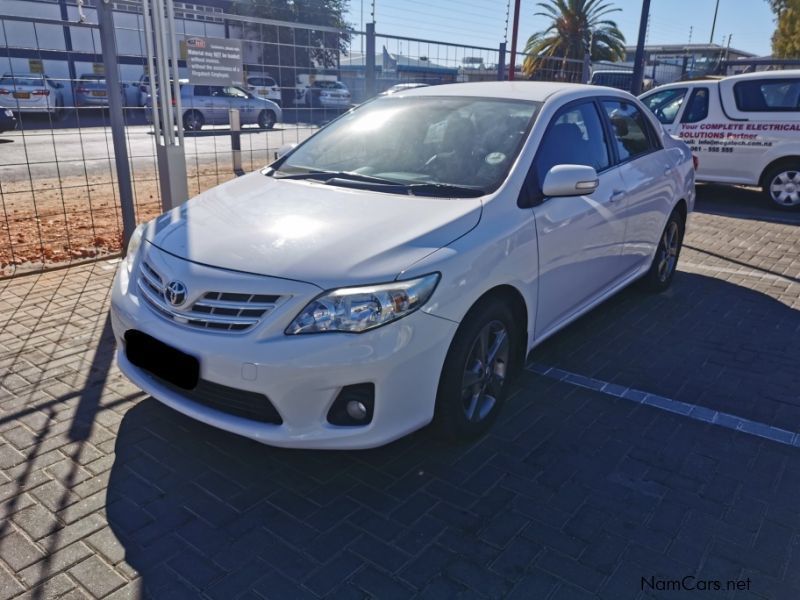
(646, 170)
(580, 237)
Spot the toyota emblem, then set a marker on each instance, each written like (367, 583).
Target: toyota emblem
(175, 293)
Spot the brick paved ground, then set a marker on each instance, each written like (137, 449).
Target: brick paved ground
(575, 494)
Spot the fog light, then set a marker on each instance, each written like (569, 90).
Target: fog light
(353, 406)
(356, 410)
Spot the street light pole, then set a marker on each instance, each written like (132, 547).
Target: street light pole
(638, 61)
(714, 23)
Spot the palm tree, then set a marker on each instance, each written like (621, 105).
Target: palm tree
(578, 26)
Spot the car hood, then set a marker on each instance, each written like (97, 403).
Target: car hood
(308, 231)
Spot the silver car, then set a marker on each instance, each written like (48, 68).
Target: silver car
(31, 92)
(209, 105)
(92, 91)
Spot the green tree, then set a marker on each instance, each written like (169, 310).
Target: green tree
(577, 26)
(786, 38)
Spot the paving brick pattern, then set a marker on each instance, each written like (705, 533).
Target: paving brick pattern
(575, 494)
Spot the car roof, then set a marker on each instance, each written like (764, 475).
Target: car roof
(538, 91)
(765, 75)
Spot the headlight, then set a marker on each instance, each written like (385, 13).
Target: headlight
(358, 309)
(133, 246)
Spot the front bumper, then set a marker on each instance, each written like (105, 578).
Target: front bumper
(301, 375)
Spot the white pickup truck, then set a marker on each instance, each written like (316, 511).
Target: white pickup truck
(743, 129)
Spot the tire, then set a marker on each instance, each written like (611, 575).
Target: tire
(193, 120)
(266, 119)
(665, 262)
(471, 392)
(782, 186)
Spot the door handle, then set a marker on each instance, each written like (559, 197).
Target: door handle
(667, 170)
(616, 195)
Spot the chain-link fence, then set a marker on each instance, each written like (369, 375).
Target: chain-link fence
(58, 184)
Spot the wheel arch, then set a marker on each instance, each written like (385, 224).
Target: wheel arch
(789, 160)
(512, 296)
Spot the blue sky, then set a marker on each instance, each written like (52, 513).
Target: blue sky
(483, 22)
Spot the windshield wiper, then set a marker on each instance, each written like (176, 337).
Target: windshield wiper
(444, 189)
(429, 188)
(338, 175)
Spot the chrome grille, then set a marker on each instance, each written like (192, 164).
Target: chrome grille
(216, 311)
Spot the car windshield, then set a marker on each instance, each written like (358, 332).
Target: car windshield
(470, 142)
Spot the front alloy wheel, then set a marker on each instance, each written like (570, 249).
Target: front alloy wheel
(485, 371)
(783, 187)
(484, 353)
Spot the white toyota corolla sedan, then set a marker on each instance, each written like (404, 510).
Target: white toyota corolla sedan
(395, 268)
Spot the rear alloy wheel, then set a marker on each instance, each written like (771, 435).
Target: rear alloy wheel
(266, 119)
(193, 121)
(665, 261)
(783, 187)
(475, 376)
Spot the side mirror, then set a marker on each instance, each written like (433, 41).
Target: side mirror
(284, 149)
(570, 180)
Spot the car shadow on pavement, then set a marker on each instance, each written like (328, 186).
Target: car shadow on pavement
(705, 341)
(742, 203)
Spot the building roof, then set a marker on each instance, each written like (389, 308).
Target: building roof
(688, 48)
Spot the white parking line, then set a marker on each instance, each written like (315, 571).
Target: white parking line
(744, 272)
(691, 411)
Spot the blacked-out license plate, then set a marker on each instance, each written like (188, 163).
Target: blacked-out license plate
(161, 360)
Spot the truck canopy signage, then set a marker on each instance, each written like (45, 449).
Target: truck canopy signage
(213, 61)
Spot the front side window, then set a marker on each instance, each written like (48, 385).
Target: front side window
(235, 92)
(574, 137)
(762, 95)
(665, 104)
(449, 140)
(629, 129)
(697, 108)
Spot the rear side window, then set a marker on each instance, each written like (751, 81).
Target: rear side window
(631, 133)
(767, 95)
(665, 104)
(202, 90)
(697, 107)
(575, 137)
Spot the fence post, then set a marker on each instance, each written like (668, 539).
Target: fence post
(501, 62)
(369, 63)
(236, 140)
(587, 68)
(105, 20)
(638, 60)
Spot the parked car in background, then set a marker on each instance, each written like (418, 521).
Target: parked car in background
(92, 91)
(396, 267)
(321, 91)
(8, 122)
(31, 93)
(621, 80)
(401, 87)
(744, 129)
(209, 105)
(264, 86)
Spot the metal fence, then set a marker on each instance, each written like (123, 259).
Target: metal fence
(58, 183)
